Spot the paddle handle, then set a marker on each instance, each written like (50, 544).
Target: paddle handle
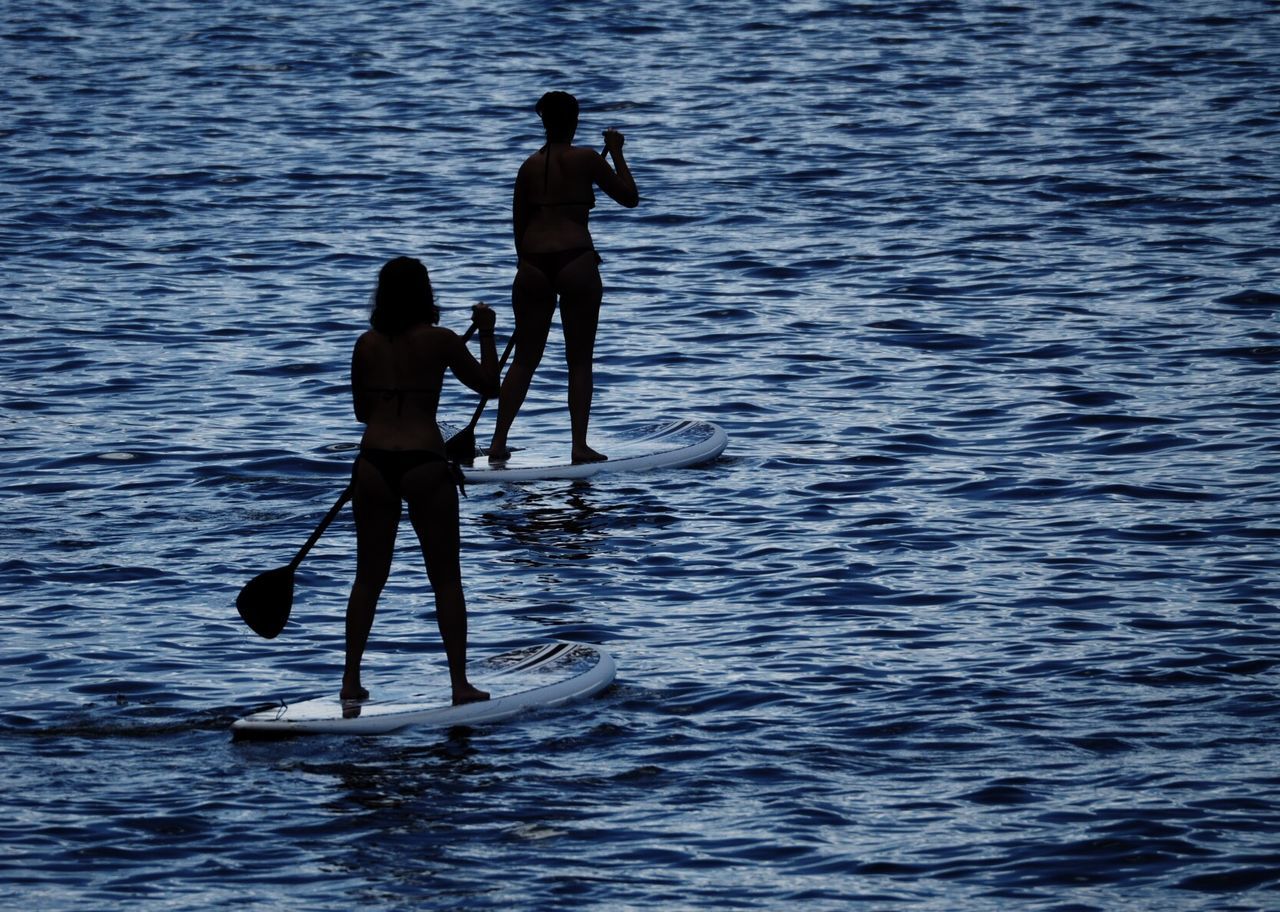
(324, 524)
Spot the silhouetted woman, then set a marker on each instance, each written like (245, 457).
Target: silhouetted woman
(397, 370)
(554, 194)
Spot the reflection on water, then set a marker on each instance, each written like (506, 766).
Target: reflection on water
(571, 522)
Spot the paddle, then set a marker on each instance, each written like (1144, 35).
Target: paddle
(265, 601)
(461, 447)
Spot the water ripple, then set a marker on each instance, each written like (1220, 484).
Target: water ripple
(978, 609)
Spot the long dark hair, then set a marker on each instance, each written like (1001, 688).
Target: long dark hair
(403, 297)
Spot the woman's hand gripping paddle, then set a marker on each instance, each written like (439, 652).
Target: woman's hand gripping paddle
(461, 447)
(266, 600)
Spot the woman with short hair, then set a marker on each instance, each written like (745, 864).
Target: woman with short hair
(554, 195)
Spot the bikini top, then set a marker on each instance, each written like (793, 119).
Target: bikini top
(397, 393)
(589, 202)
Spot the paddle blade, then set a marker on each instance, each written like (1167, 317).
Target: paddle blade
(461, 447)
(266, 600)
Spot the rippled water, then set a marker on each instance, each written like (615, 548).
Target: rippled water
(978, 610)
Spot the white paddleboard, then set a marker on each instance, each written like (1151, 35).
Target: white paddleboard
(517, 681)
(671, 445)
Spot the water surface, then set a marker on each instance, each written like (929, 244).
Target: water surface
(978, 609)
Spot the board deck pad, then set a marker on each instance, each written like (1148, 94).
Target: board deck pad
(517, 681)
(668, 445)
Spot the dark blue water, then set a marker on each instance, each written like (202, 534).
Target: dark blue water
(979, 609)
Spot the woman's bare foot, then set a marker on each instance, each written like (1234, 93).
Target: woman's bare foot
(586, 454)
(353, 693)
(468, 694)
(501, 454)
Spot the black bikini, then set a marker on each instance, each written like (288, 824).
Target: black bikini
(393, 465)
(551, 262)
(397, 393)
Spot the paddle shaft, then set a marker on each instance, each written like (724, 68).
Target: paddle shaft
(324, 524)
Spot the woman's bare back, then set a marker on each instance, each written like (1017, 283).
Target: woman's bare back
(396, 383)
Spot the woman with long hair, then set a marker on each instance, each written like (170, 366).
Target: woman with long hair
(397, 371)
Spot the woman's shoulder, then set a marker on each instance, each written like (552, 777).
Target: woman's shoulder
(368, 339)
(584, 154)
(534, 161)
(432, 331)
(418, 334)
(433, 338)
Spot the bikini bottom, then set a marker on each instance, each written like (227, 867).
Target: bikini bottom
(551, 262)
(393, 465)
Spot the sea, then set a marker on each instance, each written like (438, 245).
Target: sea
(979, 609)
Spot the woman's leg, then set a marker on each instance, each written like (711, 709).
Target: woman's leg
(533, 303)
(580, 295)
(377, 514)
(433, 510)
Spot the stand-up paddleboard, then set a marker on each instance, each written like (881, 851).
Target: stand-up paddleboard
(517, 681)
(664, 446)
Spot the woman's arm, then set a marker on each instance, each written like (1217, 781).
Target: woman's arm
(359, 398)
(620, 186)
(482, 376)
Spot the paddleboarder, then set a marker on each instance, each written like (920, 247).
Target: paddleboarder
(397, 370)
(554, 195)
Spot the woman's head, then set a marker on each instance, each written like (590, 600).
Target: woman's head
(559, 113)
(403, 297)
